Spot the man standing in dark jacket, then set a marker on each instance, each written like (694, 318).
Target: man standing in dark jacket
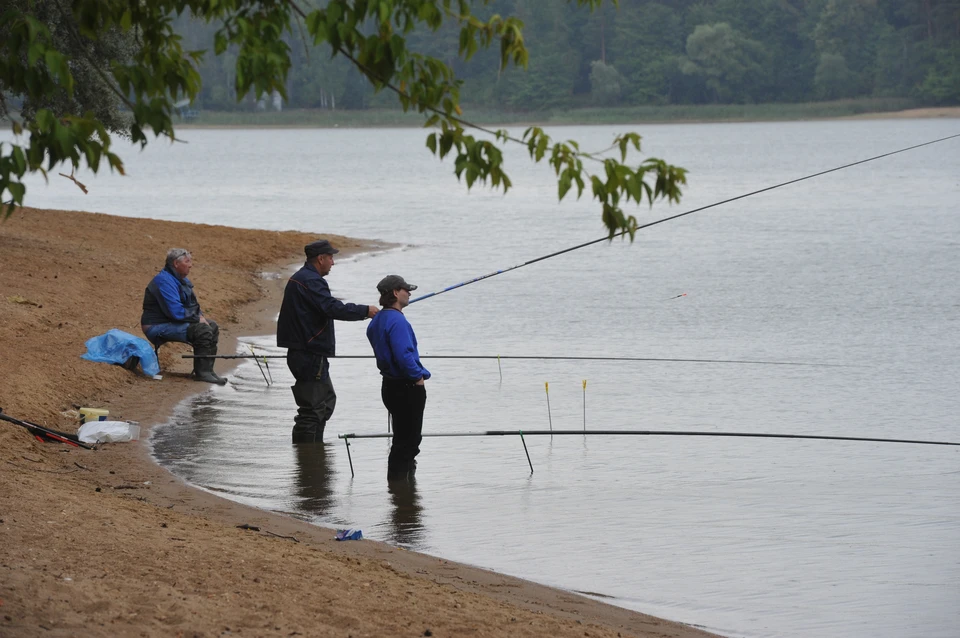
(171, 313)
(402, 390)
(305, 329)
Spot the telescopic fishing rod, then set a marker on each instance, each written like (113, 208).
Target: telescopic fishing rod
(677, 216)
(46, 433)
(760, 435)
(521, 433)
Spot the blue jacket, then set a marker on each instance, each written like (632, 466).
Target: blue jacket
(307, 314)
(395, 346)
(169, 299)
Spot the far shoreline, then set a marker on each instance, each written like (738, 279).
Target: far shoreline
(374, 119)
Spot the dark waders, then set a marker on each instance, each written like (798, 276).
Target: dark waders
(314, 394)
(405, 400)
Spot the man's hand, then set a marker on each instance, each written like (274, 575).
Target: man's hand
(372, 311)
(419, 381)
(204, 320)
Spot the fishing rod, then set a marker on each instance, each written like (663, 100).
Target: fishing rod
(677, 216)
(521, 433)
(45, 433)
(531, 358)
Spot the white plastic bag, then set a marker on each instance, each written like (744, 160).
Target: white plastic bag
(107, 432)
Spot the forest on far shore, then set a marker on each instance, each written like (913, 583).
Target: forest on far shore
(654, 53)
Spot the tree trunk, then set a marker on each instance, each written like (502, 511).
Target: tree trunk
(603, 44)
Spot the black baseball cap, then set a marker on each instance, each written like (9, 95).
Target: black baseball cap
(319, 247)
(393, 282)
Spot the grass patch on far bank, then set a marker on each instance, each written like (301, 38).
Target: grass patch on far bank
(733, 112)
(323, 118)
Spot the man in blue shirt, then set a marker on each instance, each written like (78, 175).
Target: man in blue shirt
(171, 312)
(305, 329)
(402, 389)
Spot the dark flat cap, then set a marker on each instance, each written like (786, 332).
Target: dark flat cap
(320, 247)
(393, 282)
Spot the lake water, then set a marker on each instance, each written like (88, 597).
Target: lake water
(746, 537)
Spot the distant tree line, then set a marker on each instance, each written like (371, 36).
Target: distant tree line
(656, 52)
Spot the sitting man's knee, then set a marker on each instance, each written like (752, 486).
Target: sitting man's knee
(203, 335)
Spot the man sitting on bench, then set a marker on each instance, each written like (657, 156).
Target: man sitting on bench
(171, 313)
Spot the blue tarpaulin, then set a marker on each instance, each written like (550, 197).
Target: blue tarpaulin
(117, 346)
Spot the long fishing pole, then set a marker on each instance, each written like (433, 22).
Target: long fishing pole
(45, 433)
(531, 358)
(521, 433)
(677, 216)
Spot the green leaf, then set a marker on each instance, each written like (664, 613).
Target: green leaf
(446, 142)
(634, 188)
(541, 147)
(19, 161)
(599, 190)
(564, 185)
(17, 191)
(34, 53)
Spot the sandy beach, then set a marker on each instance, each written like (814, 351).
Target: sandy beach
(107, 543)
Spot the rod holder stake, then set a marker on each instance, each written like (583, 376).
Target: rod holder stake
(525, 451)
(346, 440)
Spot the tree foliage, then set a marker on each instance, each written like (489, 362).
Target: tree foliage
(45, 40)
(942, 82)
(888, 46)
(833, 77)
(728, 63)
(604, 83)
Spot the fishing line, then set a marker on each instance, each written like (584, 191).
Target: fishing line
(677, 216)
(531, 358)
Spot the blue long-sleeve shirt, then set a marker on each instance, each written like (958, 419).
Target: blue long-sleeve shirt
(395, 346)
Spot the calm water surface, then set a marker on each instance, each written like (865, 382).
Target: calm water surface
(747, 537)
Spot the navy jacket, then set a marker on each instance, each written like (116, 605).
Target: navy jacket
(395, 346)
(169, 299)
(308, 311)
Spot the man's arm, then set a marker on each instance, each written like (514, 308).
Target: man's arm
(319, 295)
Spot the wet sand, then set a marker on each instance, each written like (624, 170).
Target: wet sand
(107, 543)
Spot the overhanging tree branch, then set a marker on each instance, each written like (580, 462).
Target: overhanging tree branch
(161, 70)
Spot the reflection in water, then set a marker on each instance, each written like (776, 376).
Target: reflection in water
(313, 476)
(200, 423)
(205, 413)
(405, 526)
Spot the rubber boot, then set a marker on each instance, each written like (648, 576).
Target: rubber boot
(306, 437)
(203, 368)
(401, 471)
